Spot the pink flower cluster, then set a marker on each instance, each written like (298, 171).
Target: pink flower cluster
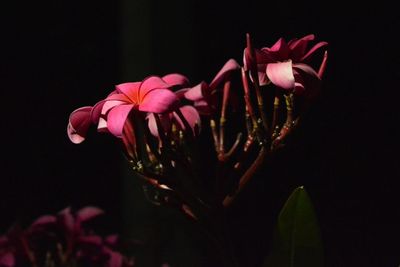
(159, 118)
(283, 64)
(61, 240)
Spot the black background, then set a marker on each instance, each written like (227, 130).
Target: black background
(60, 55)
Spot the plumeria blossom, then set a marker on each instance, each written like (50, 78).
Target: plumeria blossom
(283, 64)
(153, 94)
(64, 233)
(203, 94)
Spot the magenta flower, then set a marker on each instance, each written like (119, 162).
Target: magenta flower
(153, 94)
(283, 64)
(203, 94)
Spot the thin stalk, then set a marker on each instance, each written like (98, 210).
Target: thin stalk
(322, 67)
(256, 82)
(275, 114)
(247, 98)
(222, 119)
(246, 177)
(214, 132)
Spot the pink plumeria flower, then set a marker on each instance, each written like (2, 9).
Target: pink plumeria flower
(153, 94)
(203, 94)
(150, 95)
(283, 64)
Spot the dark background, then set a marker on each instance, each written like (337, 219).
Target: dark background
(61, 55)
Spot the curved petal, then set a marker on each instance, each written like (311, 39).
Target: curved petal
(165, 122)
(43, 220)
(102, 108)
(279, 51)
(180, 94)
(203, 107)
(158, 101)
(310, 80)
(112, 239)
(229, 66)
(102, 125)
(116, 119)
(130, 90)
(192, 117)
(78, 125)
(88, 213)
(96, 111)
(175, 79)
(298, 47)
(313, 50)
(306, 69)
(108, 105)
(196, 93)
(67, 220)
(115, 259)
(91, 240)
(149, 84)
(281, 74)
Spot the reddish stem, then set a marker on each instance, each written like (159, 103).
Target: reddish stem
(247, 99)
(322, 67)
(222, 120)
(246, 177)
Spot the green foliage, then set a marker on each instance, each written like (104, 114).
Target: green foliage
(296, 241)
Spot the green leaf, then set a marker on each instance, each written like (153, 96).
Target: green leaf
(296, 241)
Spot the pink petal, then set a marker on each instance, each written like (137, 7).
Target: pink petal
(165, 122)
(175, 79)
(262, 78)
(102, 126)
(130, 90)
(279, 50)
(203, 107)
(79, 122)
(88, 213)
(192, 117)
(281, 74)
(67, 220)
(116, 119)
(91, 239)
(197, 93)
(229, 66)
(149, 84)
(313, 50)
(306, 69)
(96, 111)
(43, 220)
(298, 47)
(307, 76)
(180, 94)
(115, 259)
(158, 101)
(110, 104)
(112, 239)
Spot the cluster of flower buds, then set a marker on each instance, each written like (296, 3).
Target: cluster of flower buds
(61, 240)
(159, 120)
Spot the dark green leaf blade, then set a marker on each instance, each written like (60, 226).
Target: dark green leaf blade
(297, 241)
